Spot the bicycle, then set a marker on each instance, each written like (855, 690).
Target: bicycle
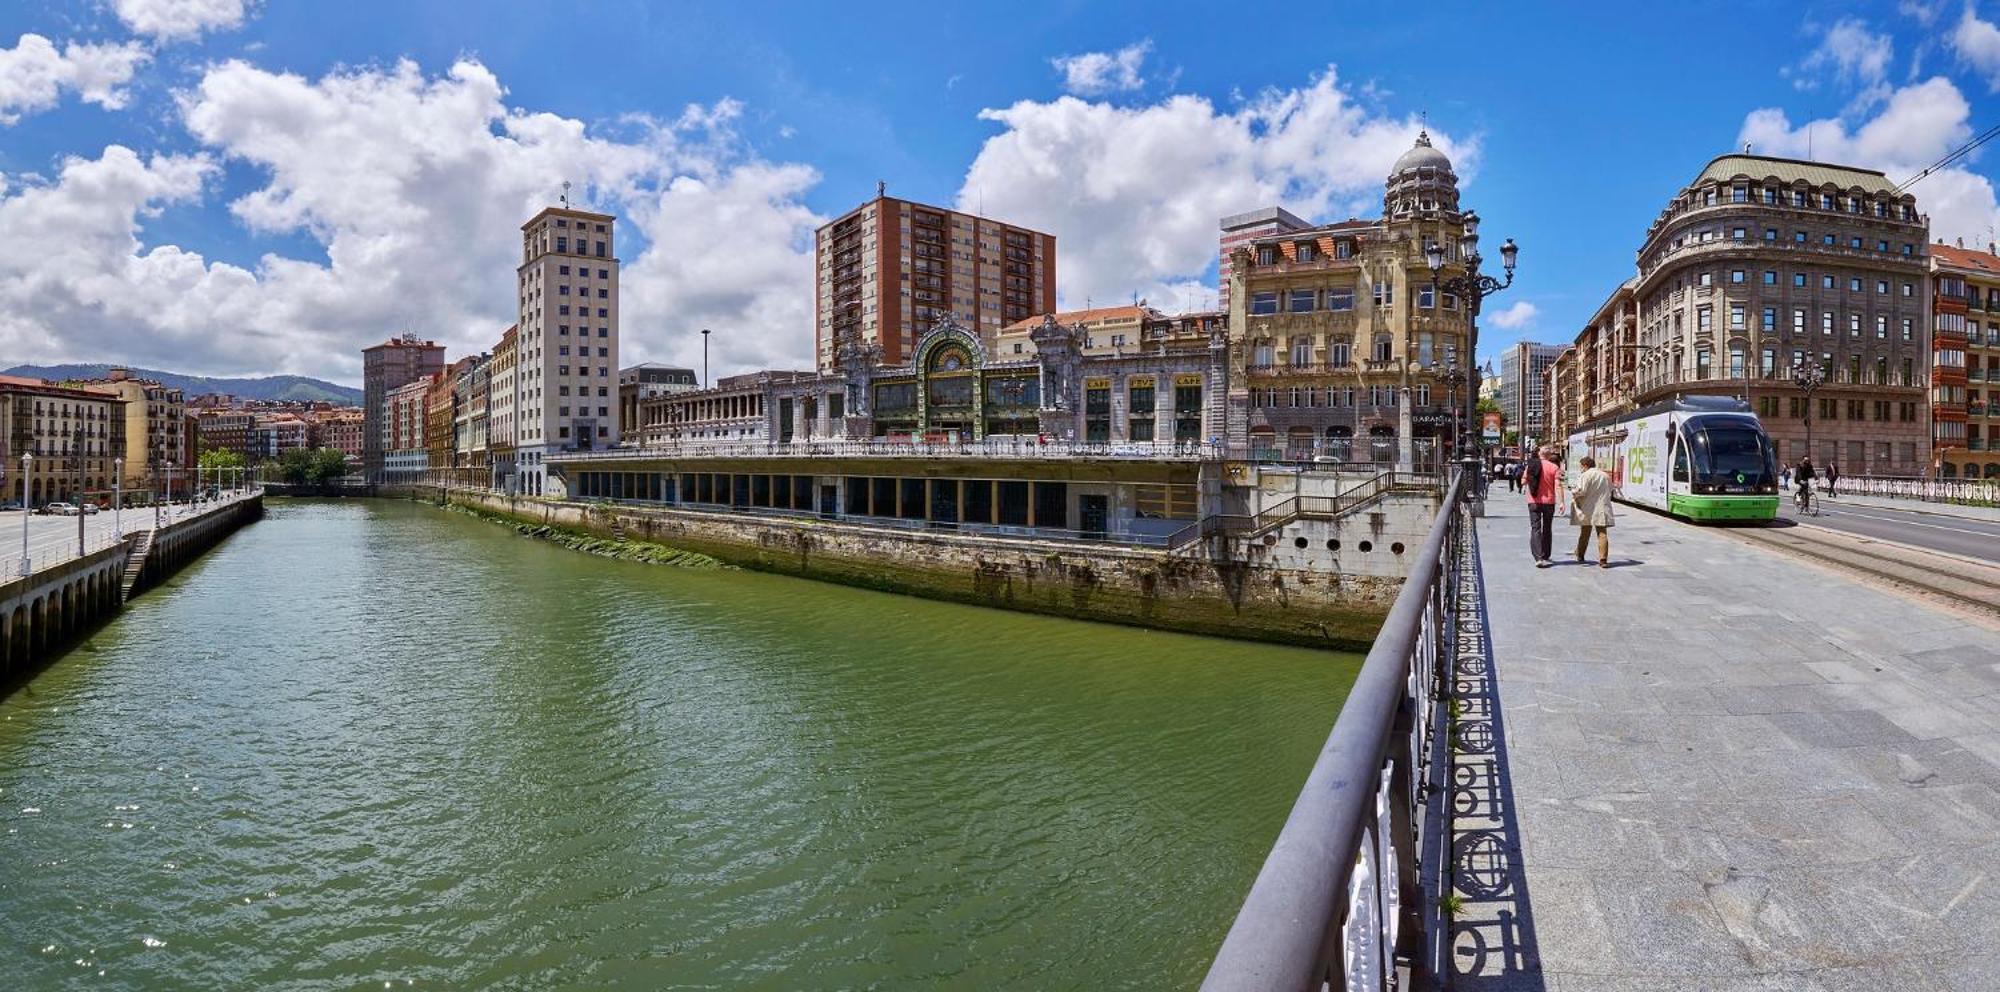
(1804, 499)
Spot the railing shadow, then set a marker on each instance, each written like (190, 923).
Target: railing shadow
(1493, 943)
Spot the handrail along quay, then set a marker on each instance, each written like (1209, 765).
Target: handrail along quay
(1340, 901)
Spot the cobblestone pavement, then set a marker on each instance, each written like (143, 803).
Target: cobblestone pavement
(1729, 770)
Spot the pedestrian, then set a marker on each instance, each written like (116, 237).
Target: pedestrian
(1832, 477)
(1590, 509)
(1540, 477)
(1513, 477)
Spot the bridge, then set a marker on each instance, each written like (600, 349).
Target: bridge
(1718, 764)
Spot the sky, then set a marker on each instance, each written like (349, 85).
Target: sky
(247, 187)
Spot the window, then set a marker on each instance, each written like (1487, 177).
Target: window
(1736, 275)
(1337, 353)
(1799, 319)
(1263, 303)
(1343, 249)
(1708, 279)
(1799, 237)
(1853, 325)
(1736, 316)
(1385, 294)
(1828, 239)
(1769, 365)
(1704, 319)
(1770, 277)
(1881, 246)
(1736, 361)
(1854, 243)
(1141, 404)
(1739, 194)
(1799, 279)
(1770, 233)
(1909, 288)
(1340, 297)
(1267, 255)
(1826, 322)
(1907, 329)
(1854, 284)
(1304, 250)
(1826, 282)
(1770, 318)
(1301, 301)
(1302, 352)
(1882, 287)
(1426, 297)
(1881, 327)
(1738, 234)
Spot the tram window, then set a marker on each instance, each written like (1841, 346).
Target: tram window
(1681, 461)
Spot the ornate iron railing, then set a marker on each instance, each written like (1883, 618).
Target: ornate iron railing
(1339, 903)
(1965, 492)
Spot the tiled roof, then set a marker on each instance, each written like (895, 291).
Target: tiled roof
(1099, 314)
(1965, 258)
(1788, 170)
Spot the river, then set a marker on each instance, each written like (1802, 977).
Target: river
(369, 744)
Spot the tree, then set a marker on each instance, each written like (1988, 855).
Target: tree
(308, 466)
(221, 458)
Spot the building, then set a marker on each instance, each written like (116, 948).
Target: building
(1763, 265)
(406, 457)
(1564, 404)
(566, 347)
(153, 416)
(1107, 331)
(271, 435)
(890, 269)
(1339, 335)
(501, 395)
(646, 381)
(342, 431)
(471, 418)
(383, 368)
(1522, 396)
(1244, 228)
(73, 434)
(228, 430)
(1965, 362)
(440, 436)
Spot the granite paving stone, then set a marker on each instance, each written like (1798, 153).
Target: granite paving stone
(1730, 770)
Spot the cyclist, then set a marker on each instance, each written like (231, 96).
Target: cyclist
(1804, 478)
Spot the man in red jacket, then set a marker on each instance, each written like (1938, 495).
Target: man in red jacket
(1540, 477)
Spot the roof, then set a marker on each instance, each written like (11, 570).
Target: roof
(1337, 227)
(1098, 315)
(1264, 215)
(1726, 167)
(565, 212)
(1965, 258)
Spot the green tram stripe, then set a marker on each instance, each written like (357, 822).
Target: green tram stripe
(1723, 507)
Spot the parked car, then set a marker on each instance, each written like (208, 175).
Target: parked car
(61, 509)
(12, 504)
(89, 509)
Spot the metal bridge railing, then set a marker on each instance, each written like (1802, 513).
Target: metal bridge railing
(1965, 492)
(1338, 902)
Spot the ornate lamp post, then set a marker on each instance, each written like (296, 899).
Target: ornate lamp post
(1472, 287)
(27, 461)
(1809, 376)
(1452, 378)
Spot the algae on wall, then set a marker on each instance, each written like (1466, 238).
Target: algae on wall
(646, 552)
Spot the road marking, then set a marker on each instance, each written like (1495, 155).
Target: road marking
(1915, 523)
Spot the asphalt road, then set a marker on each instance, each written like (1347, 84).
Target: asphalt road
(1953, 535)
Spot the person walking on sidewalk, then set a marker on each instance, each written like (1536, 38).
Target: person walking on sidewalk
(1540, 478)
(1590, 507)
(1832, 476)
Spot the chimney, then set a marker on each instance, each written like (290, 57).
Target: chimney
(1960, 241)
(1992, 249)
(118, 374)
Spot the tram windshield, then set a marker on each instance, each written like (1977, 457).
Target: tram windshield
(1731, 458)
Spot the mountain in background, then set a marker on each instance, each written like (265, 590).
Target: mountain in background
(270, 387)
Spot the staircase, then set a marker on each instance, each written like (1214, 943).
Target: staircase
(1190, 540)
(135, 560)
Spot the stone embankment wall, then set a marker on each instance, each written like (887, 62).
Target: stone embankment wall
(43, 613)
(1187, 591)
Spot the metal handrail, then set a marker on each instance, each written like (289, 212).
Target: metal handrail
(1339, 891)
(1028, 447)
(1965, 492)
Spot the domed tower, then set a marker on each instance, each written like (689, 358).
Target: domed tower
(1421, 182)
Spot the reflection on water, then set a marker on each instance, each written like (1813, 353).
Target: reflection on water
(367, 744)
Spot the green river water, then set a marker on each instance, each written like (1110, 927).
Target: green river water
(369, 745)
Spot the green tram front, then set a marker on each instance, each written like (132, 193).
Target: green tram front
(1695, 457)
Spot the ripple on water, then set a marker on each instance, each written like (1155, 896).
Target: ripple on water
(454, 757)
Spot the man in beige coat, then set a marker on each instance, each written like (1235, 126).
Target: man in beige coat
(1590, 508)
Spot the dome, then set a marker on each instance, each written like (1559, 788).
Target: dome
(1423, 156)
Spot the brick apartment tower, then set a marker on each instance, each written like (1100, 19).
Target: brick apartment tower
(566, 342)
(889, 269)
(384, 367)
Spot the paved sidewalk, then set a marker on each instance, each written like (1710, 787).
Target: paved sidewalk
(1730, 770)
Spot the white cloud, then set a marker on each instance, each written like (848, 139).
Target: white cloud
(1099, 73)
(176, 20)
(1133, 194)
(33, 74)
(1916, 125)
(1516, 316)
(1977, 42)
(1851, 52)
(416, 188)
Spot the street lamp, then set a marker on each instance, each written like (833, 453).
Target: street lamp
(1472, 287)
(118, 498)
(1809, 376)
(1452, 378)
(27, 459)
(170, 489)
(704, 358)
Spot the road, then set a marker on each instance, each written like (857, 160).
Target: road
(52, 539)
(1953, 535)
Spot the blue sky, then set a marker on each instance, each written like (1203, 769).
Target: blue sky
(264, 187)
